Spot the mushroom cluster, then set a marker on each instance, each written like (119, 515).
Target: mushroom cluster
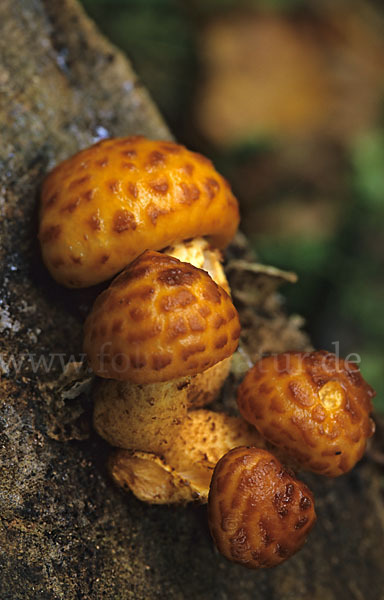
(160, 339)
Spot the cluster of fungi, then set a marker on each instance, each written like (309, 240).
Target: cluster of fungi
(160, 339)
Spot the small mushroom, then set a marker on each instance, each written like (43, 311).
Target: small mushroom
(159, 324)
(184, 472)
(104, 206)
(313, 405)
(259, 515)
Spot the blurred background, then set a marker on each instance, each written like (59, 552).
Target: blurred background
(287, 98)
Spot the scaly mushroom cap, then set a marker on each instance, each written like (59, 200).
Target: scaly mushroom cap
(313, 405)
(104, 206)
(159, 320)
(258, 514)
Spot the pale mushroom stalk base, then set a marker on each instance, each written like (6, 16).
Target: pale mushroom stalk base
(183, 473)
(141, 417)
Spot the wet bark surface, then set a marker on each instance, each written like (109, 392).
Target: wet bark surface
(65, 531)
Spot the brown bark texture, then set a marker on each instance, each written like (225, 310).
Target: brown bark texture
(65, 531)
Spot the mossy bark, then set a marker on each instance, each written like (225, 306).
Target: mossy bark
(65, 531)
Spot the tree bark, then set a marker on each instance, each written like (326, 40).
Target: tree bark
(65, 531)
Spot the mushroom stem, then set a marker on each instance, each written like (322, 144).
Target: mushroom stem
(183, 473)
(204, 388)
(141, 417)
(147, 417)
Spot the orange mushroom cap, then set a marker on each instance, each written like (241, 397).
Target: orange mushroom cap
(258, 513)
(159, 320)
(104, 206)
(313, 405)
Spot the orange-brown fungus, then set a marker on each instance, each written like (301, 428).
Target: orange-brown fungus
(104, 206)
(314, 405)
(158, 321)
(259, 515)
